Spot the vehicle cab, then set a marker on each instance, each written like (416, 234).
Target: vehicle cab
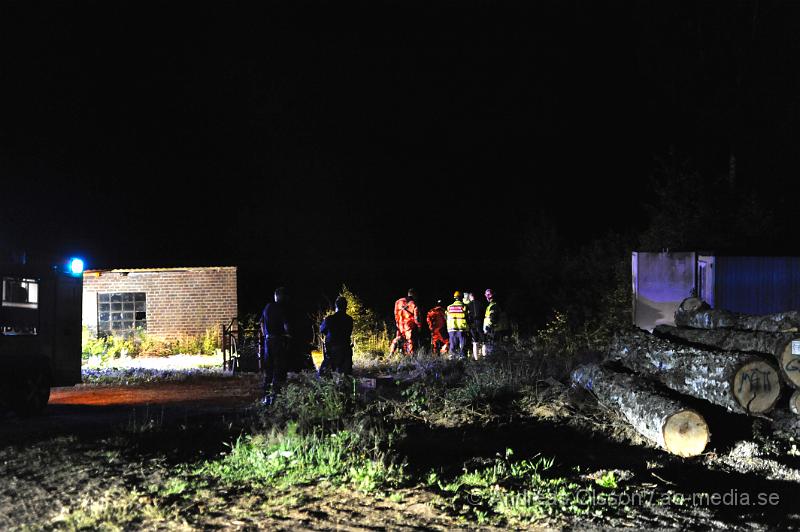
(40, 333)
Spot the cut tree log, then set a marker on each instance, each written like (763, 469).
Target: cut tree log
(740, 382)
(794, 402)
(785, 347)
(668, 423)
(694, 312)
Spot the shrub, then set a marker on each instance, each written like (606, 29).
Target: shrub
(370, 334)
(142, 343)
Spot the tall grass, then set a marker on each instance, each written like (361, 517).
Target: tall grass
(289, 457)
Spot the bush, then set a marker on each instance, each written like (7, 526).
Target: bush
(370, 334)
(141, 343)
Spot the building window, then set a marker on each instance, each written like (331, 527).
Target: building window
(121, 314)
(20, 296)
(22, 293)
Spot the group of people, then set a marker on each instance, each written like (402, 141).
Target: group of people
(454, 328)
(288, 338)
(288, 335)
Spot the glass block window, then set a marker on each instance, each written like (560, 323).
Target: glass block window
(121, 314)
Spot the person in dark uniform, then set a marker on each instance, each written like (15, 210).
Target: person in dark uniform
(277, 332)
(475, 311)
(337, 330)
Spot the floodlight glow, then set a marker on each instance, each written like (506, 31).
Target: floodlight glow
(76, 266)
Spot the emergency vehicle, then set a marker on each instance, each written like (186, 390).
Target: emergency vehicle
(40, 332)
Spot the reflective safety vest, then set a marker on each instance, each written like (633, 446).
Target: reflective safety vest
(495, 319)
(457, 316)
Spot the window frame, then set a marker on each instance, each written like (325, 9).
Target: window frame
(121, 313)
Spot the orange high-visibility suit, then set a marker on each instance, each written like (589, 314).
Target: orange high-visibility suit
(436, 323)
(406, 316)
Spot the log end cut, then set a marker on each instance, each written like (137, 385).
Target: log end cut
(693, 304)
(756, 386)
(686, 433)
(794, 402)
(789, 358)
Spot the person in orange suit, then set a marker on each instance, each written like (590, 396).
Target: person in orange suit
(437, 322)
(406, 317)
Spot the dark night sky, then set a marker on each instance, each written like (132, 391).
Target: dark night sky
(380, 143)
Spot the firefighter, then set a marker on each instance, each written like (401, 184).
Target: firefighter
(337, 330)
(457, 325)
(406, 317)
(437, 322)
(495, 323)
(276, 330)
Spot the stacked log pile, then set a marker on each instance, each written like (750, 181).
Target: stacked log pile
(736, 361)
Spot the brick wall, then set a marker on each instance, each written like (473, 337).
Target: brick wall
(180, 302)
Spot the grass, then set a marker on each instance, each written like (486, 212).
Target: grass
(325, 433)
(310, 402)
(117, 510)
(286, 458)
(323, 436)
(511, 491)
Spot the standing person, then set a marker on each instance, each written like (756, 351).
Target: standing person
(495, 322)
(406, 317)
(437, 323)
(337, 330)
(475, 313)
(276, 330)
(457, 325)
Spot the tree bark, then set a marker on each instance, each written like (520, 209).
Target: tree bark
(740, 382)
(695, 313)
(785, 347)
(664, 421)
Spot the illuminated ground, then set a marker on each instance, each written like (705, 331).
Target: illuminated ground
(230, 391)
(100, 442)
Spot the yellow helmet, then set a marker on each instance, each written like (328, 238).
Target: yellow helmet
(456, 294)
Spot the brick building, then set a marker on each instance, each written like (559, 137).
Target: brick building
(168, 303)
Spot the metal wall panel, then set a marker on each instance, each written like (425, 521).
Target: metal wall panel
(757, 285)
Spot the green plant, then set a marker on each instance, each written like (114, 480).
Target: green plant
(108, 347)
(558, 334)
(521, 490)
(311, 402)
(370, 334)
(141, 343)
(287, 457)
(607, 480)
(117, 510)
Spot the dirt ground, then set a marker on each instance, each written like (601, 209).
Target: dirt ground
(97, 442)
(101, 442)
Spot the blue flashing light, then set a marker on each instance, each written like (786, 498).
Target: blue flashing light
(76, 266)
